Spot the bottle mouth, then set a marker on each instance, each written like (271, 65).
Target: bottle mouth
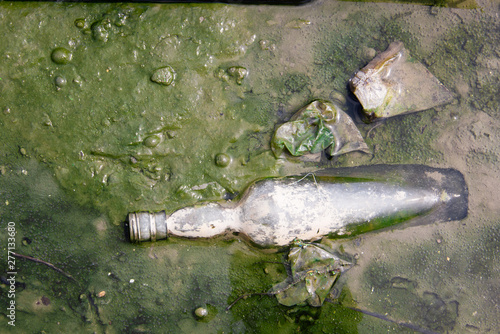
(134, 227)
(143, 226)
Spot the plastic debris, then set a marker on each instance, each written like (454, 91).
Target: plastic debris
(321, 125)
(394, 83)
(314, 270)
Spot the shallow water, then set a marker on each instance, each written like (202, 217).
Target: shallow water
(87, 136)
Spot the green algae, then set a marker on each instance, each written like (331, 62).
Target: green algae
(117, 142)
(338, 58)
(268, 316)
(147, 288)
(458, 45)
(109, 151)
(407, 139)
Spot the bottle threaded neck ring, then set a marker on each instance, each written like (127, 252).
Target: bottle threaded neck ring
(147, 226)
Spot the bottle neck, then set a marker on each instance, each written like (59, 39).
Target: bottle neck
(204, 221)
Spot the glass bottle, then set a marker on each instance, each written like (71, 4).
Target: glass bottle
(340, 202)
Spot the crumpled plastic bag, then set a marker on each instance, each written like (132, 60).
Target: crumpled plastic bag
(314, 270)
(321, 125)
(394, 83)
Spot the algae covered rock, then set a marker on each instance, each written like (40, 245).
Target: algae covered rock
(238, 72)
(321, 125)
(164, 76)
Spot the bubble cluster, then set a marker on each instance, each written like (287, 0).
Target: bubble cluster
(100, 30)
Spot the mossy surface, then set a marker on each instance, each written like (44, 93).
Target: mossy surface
(464, 49)
(406, 138)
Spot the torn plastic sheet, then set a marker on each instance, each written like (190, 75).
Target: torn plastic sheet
(394, 83)
(321, 125)
(314, 270)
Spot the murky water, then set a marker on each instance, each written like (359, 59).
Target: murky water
(107, 109)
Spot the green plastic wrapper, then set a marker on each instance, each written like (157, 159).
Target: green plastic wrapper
(314, 270)
(321, 125)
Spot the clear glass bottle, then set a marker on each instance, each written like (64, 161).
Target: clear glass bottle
(345, 202)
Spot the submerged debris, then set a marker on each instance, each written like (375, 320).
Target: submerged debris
(50, 265)
(393, 83)
(314, 269)
(321, 125)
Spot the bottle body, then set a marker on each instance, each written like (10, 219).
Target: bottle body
(276, 211)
